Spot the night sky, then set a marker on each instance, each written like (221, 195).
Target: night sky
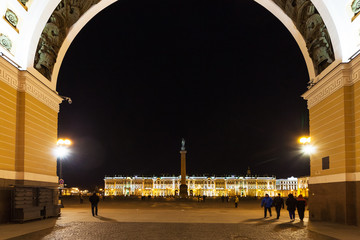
(226, 75)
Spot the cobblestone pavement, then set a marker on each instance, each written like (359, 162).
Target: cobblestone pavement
(116, 230)
(172, 220)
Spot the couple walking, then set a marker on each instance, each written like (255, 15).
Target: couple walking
(291, 203)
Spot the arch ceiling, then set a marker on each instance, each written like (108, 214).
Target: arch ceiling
(35, 35)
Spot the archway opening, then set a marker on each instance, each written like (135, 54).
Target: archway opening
(225, 75)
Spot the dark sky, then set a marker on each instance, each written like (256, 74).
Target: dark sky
(226, 75)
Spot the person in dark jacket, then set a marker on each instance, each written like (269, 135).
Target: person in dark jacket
(300, 205)
(267, 203)
(278, 203)
(94, 200)
(291, 206)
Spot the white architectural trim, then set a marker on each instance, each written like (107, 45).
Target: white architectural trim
(345, 74)
(13, 175)
(335, 178)
(74, 30)
(289, 24)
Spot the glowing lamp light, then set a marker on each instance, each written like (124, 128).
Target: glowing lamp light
(64, 142)
(305, 140)
(61, 152)
(308, 149)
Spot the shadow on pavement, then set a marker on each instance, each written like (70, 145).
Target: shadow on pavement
(106, 219)
(289, 225)
(260, 221)
(37, 235)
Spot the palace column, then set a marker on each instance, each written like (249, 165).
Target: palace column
(183, 186)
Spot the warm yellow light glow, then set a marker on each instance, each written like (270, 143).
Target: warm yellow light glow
(61, 151)
(66, 142)
(308, 149)
(305, 140)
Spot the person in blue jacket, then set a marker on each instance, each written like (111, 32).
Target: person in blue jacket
(267, 203)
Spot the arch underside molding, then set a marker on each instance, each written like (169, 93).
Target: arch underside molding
(312, 27)
(306, 20)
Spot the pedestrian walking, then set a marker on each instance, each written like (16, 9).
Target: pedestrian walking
(300, 205)
(278, 203)
(267, 203)
(291, 206)
(94, 199)
(236, 201)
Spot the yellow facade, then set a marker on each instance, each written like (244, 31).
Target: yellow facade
(331, 128)
(200, 186)
(28, 127)
(334, 107)
(357, 125)
(8, 96)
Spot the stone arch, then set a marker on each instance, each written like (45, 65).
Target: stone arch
(332, 96)
(327, 51)
(298, 16)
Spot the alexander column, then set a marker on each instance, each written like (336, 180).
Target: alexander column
(183, 186)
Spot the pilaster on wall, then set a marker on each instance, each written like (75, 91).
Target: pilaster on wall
(28, 129)
(334, 110)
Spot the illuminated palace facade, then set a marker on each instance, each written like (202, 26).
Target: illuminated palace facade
(249, 186)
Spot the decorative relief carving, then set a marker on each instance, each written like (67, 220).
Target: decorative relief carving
(7, 78)
(64, 16)
(312, 28)
(332, 87)
(23, 2)
(11, 17)
(5, 42)
(42, 94)
(24, 82)
(355, 6)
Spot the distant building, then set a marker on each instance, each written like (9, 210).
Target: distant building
(295, 186)
(253, 186)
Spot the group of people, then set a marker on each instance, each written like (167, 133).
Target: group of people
(267, 203)
(278, 202)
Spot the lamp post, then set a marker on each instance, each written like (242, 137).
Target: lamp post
(307, 148)
(61, 152)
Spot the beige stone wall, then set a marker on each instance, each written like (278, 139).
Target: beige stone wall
(40, 137)
(28, 127)
(334, 106)
(357, 124)
(8, 97)
(331, 129)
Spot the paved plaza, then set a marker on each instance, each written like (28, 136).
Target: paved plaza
(173, 219)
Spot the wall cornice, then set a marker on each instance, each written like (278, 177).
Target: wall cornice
(32, 86)
(345, 74)
(23, 81)
(8, 73)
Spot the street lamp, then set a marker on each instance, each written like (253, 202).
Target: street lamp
(307, 148)
(62, 151)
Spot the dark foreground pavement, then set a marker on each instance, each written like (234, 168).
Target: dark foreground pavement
(171, 219)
